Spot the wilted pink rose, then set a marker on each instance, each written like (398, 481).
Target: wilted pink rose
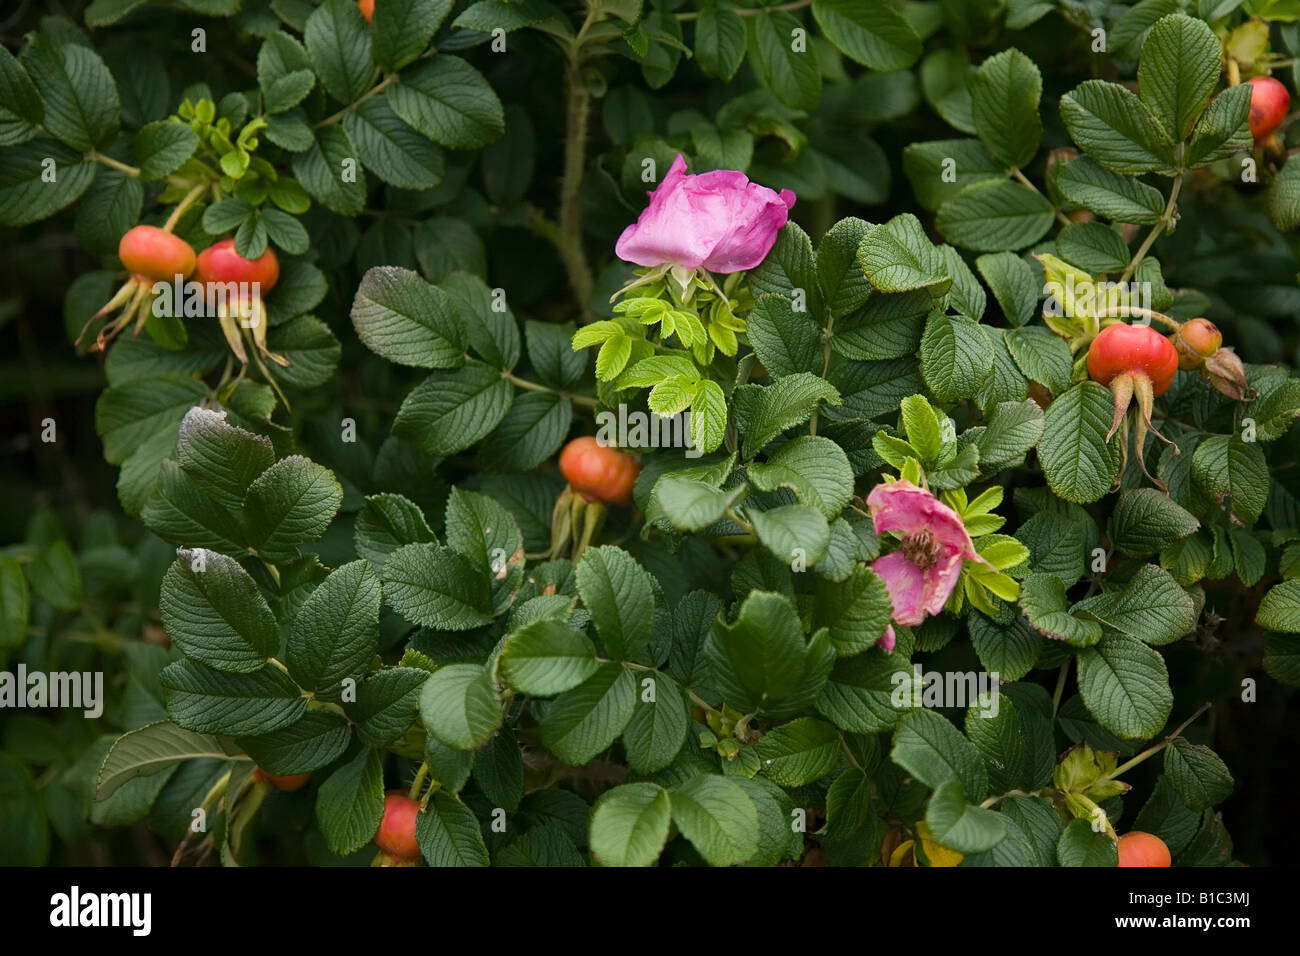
(719, 220)
(921, 574)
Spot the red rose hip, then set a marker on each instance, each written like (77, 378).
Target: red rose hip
(221, 263)
(151, 253)
(1143, 849)
(1269, 102)
(396, 835)
(290, 782)
(598, 472)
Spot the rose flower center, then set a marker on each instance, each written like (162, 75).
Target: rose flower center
(922, 549)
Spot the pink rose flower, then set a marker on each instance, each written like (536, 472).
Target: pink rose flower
(719, 221)
(921, 574)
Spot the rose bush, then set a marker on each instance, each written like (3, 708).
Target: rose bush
(650, 433)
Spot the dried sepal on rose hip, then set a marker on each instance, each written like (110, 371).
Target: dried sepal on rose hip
(1134, 362)
(243, 284)
(150, 255)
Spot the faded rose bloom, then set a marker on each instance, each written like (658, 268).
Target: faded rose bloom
(719, 221)
(921, 574)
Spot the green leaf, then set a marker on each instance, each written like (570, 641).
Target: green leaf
(1152, 607)
(221, 459)
(868, 693)
(181, 513)
(1112, 196)
(785, 341)
(385, 523)
(1092, 247)
(790, 267)
(799, 752)
(1146, 521)
(204, 700)
(844, 285)
(791, 74)
(793, 533)
(629, 824)
(448, 834)
(336, 633)
(436, 587)
(719, 41)
(547, 657)
(449, 411)
(940, 169)
(957, 825)
(350, 804)
(708, 417)
(814, 468)
(956, 356)
(1013, 428)
(408, 321)
(315, 741)
(55, 577)
(1280, 608)
(856, 611)
(875, 35)
(291, 502)
(1178, 72)
(160, 149)
(693, 505)
(530, 433)
(619, 594)
(82, 107)
(1116, 129)
(764, 647)
(1042, 355)
(718, 817)
(15, 604)
(386, 704)
(403, 29)
(584, 721)
(320, 168)
(1042, 598)
(945, 81)
(127, 415)
(18, 92)
(153, 749)
(1079, 464)
(26, 195)
(1004, 94)
(657, 730)
(284, 73)
(1013, 283)
(486, 534)
(392, 150)
(1080, 845)
(1125, 685)
(933, 751)
(214, 613)
(460, 706)
(994, 216)
(1196, 773)
(339, 46)
(763, 412)
(899, 257)
(1229, 470)
(450, 102)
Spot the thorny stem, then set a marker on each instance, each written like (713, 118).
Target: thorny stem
(1060, 686)
(184, 204)
(1166, 218)
(1155, 749)
(535, 387)
(375, 90)
(419, 780)
(1020, 177)
(577, 113)
(112, 163)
